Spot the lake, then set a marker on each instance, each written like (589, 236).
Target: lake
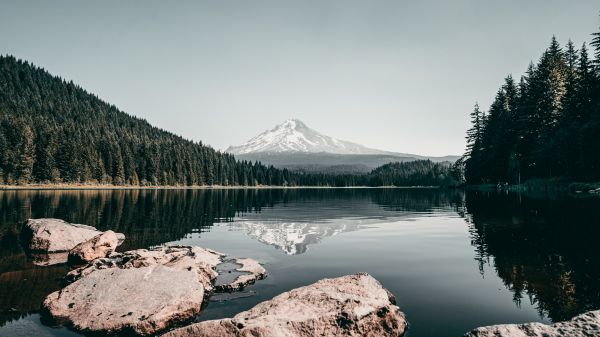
(454, 260)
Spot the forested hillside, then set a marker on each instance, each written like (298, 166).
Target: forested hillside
(415, 173)
(53, 131)
(545, 126)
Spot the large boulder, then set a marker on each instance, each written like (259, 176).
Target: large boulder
(143, 291)
(204, 261)
(101, 245)
(137, 300)
(353, 305)
(584, 325)
(55, 235)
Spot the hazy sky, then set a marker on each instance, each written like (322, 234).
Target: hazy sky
(394, 75)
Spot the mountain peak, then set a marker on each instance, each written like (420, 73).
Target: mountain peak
(294, 136)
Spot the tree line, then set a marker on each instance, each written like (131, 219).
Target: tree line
(53, 131)
(545, 126)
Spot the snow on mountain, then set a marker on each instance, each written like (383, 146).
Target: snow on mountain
(294, 136)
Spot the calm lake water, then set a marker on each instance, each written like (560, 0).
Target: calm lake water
(454, 260)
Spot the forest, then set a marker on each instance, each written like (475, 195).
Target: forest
(54, 132)
(545, 126)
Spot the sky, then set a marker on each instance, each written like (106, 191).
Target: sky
(394, 75)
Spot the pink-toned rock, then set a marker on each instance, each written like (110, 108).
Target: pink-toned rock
(584, 325)
(49, 259)
(353, 305)
(55, 235)
(142, 291)
(202, 261)
(101, 245)
(143, 300)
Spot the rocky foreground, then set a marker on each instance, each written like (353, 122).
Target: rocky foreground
(353, 305)
(144, 291)
(584, 325)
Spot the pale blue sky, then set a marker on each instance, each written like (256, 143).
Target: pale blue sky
(394, 75)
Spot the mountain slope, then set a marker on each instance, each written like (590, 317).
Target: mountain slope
(295, 146)
(294, 136)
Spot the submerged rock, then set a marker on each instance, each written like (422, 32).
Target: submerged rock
(55, 235)
(236, 274)
(141, 300)
(142, 291)
(353, 305)
(584, 325)
(101, 245)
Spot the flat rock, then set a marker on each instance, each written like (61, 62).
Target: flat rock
(584, 325)
(140, 292)
(101, 245)
(141, 300)
(200, 260)
(203, 261)
(353, 305)
(55, 235)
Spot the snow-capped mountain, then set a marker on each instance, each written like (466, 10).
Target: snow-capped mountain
(294, 136)
(294, 145)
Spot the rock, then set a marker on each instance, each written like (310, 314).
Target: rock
(55, 235)
(204, 261)
(142, 291)
(236, 274)
(45, 259)
(141, 300)
(353, 305)
(101, 245)
(201, 261)
(584, 325)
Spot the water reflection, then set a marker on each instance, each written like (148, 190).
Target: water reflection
(544, 248)
(292, 237)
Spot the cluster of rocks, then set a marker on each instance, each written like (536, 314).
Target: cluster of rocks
(146, 292)
(54, 241)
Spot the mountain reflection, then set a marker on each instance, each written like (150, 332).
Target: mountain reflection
(307, 217)
(290, 237)
(544, 249)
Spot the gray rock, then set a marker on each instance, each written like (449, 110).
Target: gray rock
(238, 273)
(353, 305)
(55, 235)
(584, 325)
(101, 245)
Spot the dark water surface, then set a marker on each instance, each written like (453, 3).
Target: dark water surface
(454, 260)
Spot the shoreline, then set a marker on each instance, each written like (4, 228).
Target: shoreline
(199, 187)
